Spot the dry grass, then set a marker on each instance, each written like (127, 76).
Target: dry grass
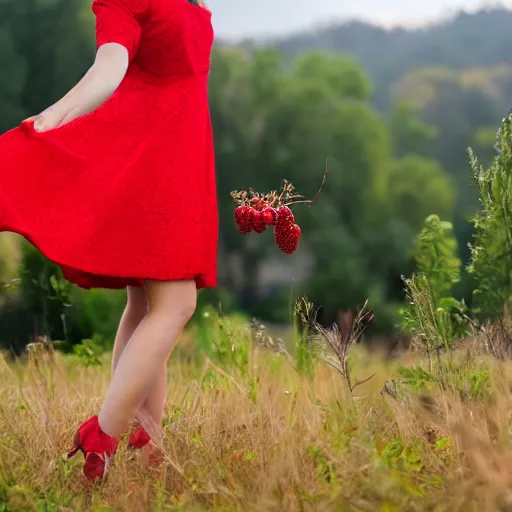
(269, 441)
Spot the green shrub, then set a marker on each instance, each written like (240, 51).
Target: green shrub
(225, 339)
(491, 253)
(432, 316)
(304, 318)
(44, 292)
(436, 256)
(96, 313)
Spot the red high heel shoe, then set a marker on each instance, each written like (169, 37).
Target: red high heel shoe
(98, 448)
(139, 440)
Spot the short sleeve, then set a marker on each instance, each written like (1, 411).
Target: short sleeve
(118, 21)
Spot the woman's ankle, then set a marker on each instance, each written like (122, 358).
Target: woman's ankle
(152, 427)
(108, 426)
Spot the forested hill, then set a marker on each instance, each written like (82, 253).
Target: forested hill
(465, 41)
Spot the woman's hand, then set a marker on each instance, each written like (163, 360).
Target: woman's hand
(48, 119)
(98, 84)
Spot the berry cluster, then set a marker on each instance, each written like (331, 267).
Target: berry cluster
(255, 212)
(259, 215)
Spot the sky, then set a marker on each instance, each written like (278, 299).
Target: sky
(239, 19)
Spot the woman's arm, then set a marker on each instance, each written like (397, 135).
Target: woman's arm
(97, 85)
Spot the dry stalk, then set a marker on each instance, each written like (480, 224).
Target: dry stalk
(339, 339)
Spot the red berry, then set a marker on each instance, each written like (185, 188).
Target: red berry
(258, 224)
(285, 214)
(269, 216)
(244, 218)
(241, 214)
(287, 236)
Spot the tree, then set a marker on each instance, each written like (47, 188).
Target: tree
(51, 44)
(273, 122)
(245, 91)
(409, 133)
(11, 84)
(417, 187)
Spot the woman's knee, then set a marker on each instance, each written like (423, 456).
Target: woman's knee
(173, 299)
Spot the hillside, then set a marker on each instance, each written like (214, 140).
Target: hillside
(483, 39)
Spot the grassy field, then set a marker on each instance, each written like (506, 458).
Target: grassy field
(312, 422)
(246, 431)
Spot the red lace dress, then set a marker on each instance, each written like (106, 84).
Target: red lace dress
(127, 192)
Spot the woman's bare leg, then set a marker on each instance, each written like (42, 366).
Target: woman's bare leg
(151, 413)
(133, 314)
(170, 307)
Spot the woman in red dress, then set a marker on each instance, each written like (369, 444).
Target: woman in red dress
(116, 184)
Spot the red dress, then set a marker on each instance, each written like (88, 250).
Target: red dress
(127, 192)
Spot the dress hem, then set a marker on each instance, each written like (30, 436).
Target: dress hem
(90, 280)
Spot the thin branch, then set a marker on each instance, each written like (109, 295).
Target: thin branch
(359, 382)
(313, 201)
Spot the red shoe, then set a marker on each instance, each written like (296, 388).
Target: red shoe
(139, 438)
(151, 454)
(97, 447)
